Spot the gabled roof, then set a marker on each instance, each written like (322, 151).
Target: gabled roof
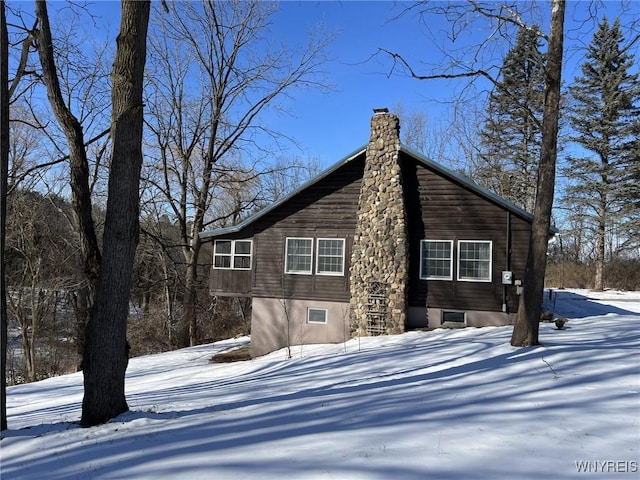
(445, 172)
(261, 213)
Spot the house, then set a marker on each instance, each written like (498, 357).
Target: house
(384, 241)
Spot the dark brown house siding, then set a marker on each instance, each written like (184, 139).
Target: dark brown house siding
(232, 283)
(326, 209)
(438, 207)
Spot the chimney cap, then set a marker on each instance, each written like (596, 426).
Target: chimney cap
(378, 111)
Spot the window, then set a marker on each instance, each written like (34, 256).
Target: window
(232, 254)
(449, 316)
(242, 254)
(436, 259)
(316, 315)
(222, 254)
(330, 256)
(474, 261)
(299, 253)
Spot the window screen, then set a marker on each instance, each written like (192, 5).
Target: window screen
(436, 259)
(330, 259)
(299, 252)
(474, 261)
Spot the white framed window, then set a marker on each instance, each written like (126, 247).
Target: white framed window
(316, 315)
(298, 256)
(436, 259)
(232, 254)
(474, 260)
(330, 256)
(242, 254)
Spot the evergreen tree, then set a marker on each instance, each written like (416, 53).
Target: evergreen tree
(604, 114)
(511, 135)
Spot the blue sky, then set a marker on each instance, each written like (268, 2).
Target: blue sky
(328, 126)
(331, 125)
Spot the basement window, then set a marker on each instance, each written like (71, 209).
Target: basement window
(451, 316)
(317, 315)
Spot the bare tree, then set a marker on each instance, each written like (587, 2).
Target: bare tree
(4, 171)
(205, 139)
(155, 283)
(285, 175)
(79, 165)
(106, 352)
(422, 134)
(525, 331)
(78, 169)
(40, 269)
(8, 93)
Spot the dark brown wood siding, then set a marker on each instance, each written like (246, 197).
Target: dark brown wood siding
(440, 208)
(230, 282)
(326, 209)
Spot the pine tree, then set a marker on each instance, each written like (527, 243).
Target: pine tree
(605, 116)
(511, 136)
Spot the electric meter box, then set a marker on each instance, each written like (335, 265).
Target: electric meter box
(507, 278)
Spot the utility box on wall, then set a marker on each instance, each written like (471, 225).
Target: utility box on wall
(507, 278)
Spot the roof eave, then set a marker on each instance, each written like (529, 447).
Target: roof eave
(414, 153)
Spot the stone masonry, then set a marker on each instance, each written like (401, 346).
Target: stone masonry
(379, 260)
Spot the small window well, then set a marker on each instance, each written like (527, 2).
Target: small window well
(453, 318)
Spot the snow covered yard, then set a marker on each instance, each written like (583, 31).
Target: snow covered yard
(445, 404)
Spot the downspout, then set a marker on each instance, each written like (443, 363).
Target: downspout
(507, 261)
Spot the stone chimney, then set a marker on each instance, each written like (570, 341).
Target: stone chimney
(379, 260)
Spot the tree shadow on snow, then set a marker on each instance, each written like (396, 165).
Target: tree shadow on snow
(574, 305)
(462, 379)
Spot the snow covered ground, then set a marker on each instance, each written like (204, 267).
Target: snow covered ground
(445, 404)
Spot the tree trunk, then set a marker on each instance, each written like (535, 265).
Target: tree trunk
(78, 168)
(82, 301)
(188, 325)
(169, 301)
(188, 322)
(30, 353)
(525, 331)
(598, 283)
(107, 351)
(4, 172)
